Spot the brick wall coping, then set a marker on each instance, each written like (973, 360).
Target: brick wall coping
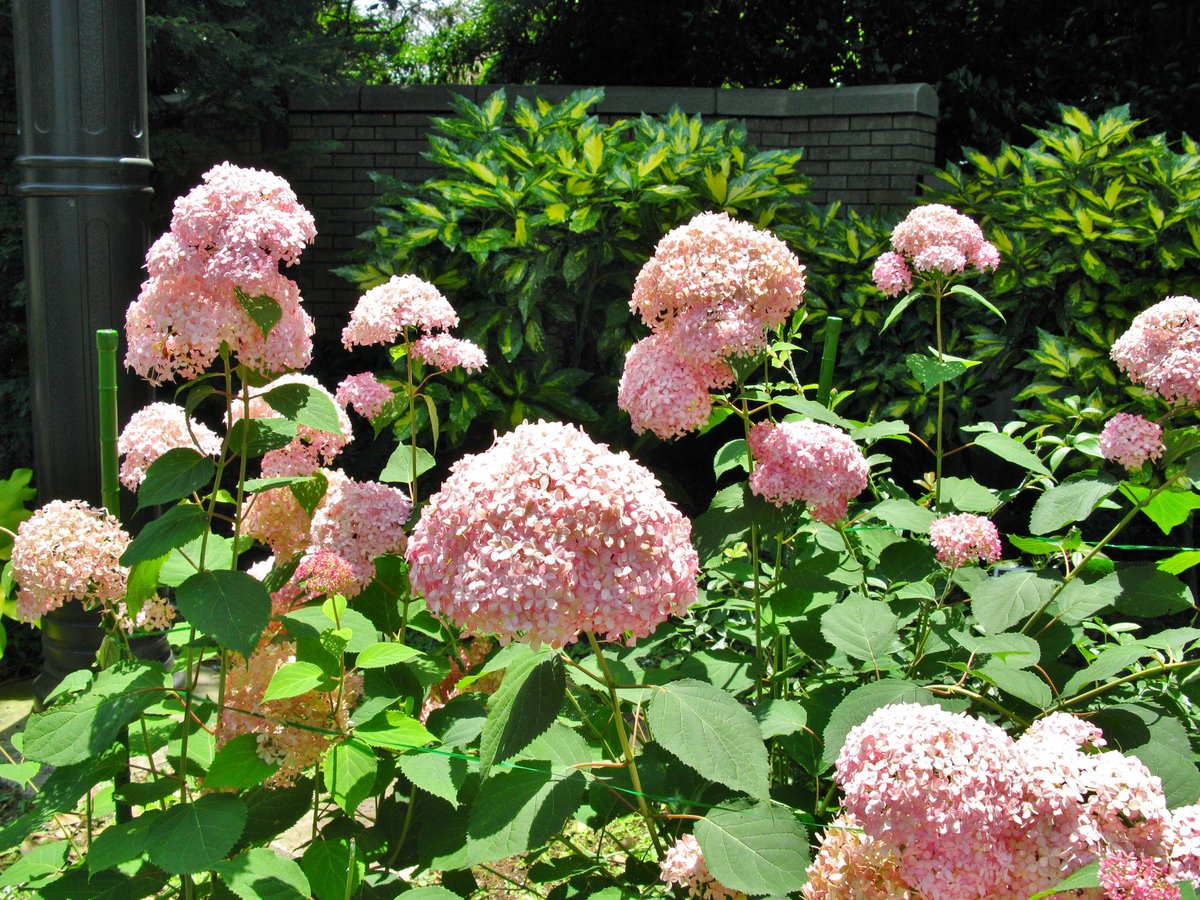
(733, 103)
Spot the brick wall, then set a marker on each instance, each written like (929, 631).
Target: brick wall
(866, 146)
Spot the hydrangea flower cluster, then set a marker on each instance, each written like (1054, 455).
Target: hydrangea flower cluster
(310, 448)
(1125, 876)
(294, 731)
(155, 429)
(964, 538)
(405, 301)
(276, 518)
(807, 462)
(229, 234)
(358, 521)
(1161, 350)
(1131, 440)
(710, 292)
(852, 864)
(960, 809)
(446, 352)
(365, 393)
(933, 238)
(547, 534)
(68, 550)
(684, 866)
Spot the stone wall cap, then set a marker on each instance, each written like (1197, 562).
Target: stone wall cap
(885, 98)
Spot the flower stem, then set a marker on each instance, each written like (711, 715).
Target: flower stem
(941, 405)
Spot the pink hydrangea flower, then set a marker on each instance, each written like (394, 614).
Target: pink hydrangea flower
(664, 392)
(1183, 839)
(807, 462)
(1126, 876)
(295, 731)
(891, 274)
(447, 353)
(231, 233)
(936, 238)
(68, 550)
(548, 534)
(963, 538)
(851, 865)
(275, 518)
(1131, 440)
(405, 301)
(156, 614)
(154, 430)
(325, 573)
(715, 285)
(310, 448)
(684, 866)
(365, 393)
(359, 521)
(1161, 350)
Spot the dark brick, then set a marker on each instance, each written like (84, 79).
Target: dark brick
(870, 153)
(850, 138)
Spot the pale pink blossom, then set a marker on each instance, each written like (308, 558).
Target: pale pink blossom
(684, 866)
(807, 462)
(156, 614)
(275, 517)
(446, 353)
(1126, 876)
(665, 393)
(68, 550)
(1161, 350)
(936, 238)
(1131, 440)
(964, 538)
(851, 865)
(358, 522)
(311, 448)
(891, 274)
(155, 429)
(365, 393)
(294, 732)
(324, 573)
(229, 234)
(715, 285)
(547, 534)
(405, 301)
(1183, 839)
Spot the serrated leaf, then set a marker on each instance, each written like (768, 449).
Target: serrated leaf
(305, 405)
(176, 474)
(334, 868)
(85, 726)
(999, 603)
(904, 515)
(294, 679)
(263, 309)
(1009, 448)
(967, 495)
(230, 606)
(183, 562)
(1017, 651)
(1081, 600)
(964, 291)
(780, 717)
(1020, 683)
(237, 765)
(930, 373)
(255, 437)
(350, 769)
(121, 842)
(901, 305)
(1168, 509)
(733, 455)
(262, 874)
(1069, 502)
(1148, 592)
(860, 703)
(194, 837)
(707, 729)
(1086, 877)
(441, 775)
(174, 528)
(758, 850)
(862, 629)
(384, 654)
(395, 731)
(399, 468)
(524, 706)
(37, 862)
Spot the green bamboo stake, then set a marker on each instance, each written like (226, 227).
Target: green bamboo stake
(833, 330)
(110, 488)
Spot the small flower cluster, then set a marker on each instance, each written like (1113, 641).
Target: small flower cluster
(809, 462)
(365, 393)
(851, 864)
(155, 429)
(68, 550)
(445, 352)
(548, 534)
(294, 731)
(933, 238)
(1131, 440)
(228, 235)
(1161, 350)
(1125, 876)
(405, 301)
(963, 538)
(684, 866)
(310, 448)
(710, 292)
(957, 808)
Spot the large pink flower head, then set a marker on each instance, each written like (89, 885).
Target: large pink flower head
(229, 234)
(1161, 350)
(310, 448)
(548, 534)
(365, 393)
(715, 285)
(294, 731)
(684, 866)
(155, 429)
(665, 393)
(68, 550)
(936, 238)
(964, 538)
(359, 521)
(405, 301)
(891, 274)
(807, 462)
(1131, 440)
(446, 353)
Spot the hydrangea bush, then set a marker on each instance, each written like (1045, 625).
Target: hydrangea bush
(830, 685)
